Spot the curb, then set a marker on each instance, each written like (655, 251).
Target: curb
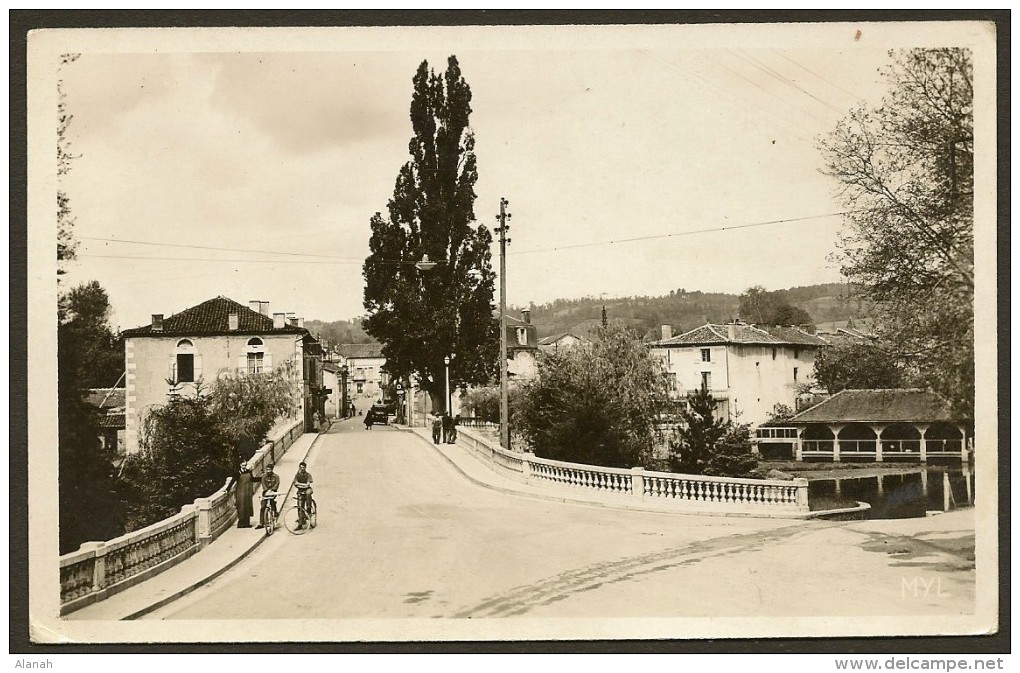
(244, 554)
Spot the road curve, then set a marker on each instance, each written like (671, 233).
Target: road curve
(402, 534)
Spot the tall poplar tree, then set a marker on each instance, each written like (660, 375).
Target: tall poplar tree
(423, 316)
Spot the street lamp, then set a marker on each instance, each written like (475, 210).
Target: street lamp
(446, 361)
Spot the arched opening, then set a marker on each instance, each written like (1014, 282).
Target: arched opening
(943, 438)
(901, 440)
(856, 438)
(817, 438)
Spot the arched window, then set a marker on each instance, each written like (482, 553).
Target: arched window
(186, 364)
(256, 359)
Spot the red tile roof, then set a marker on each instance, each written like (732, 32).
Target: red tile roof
(710, 334)
(360, 350)
(893, 405)
(211, 318)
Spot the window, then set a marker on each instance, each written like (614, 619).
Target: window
(706, 354)
(773, 353)
(361, 388)
(255, 363)
(522, 336)
(796, 352)
(255, 359)
(184, 364)
(706, 380)
(795, 374)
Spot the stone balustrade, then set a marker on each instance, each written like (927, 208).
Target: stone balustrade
(638, 486)
(100, 569)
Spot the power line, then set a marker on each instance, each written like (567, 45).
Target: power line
(812, 72)
(769, 70)
(207, 259)
(675, 234)
(684, 233)
(208, 247)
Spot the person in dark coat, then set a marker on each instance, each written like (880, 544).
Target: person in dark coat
(447, 428)
(243, 495)
(453, 428)
(437, 428)
(369, 419)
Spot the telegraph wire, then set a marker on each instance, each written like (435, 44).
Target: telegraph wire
(208, 247)
(684, 233)
(768, 70)
(824, 79)
(635, 239)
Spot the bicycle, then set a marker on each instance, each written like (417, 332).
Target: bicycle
(302, 516)
(268, 513)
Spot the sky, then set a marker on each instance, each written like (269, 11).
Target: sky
(253, 172)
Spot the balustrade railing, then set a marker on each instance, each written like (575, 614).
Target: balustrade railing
(99, 569)
(636, 484)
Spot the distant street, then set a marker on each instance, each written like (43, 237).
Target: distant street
(402, 533)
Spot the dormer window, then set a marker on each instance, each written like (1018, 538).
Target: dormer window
(522, 336)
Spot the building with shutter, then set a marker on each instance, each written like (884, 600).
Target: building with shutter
(178, 354)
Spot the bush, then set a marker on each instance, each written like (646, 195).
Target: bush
(595, 403)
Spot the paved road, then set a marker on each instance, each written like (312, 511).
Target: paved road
(402, 534)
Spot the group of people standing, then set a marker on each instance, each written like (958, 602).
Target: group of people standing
(445, 427)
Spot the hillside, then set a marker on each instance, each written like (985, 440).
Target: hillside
(682, 309)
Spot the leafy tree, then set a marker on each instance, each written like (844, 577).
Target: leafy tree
(247, 406)
(421, 317)
(84, 314)
(594, 403)
(87, 356)
(780, 414)
(185, 454)
(191, 445)
(905, 172)
(858, 366)
(760, 307)
(67, 246)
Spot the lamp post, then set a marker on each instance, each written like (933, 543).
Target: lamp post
(446, 361)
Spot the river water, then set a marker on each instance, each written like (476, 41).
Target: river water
(900, 496)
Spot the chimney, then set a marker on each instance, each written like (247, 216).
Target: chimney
(255, 305)
(232, 322)
(292, 321)
(526, 315)
(157, 322)
(300, 322)
(731, 331)
(667, 332)
(279, 320)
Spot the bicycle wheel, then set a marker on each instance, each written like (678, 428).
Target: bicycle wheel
(270, 521)
(312, 513)
(291, 518)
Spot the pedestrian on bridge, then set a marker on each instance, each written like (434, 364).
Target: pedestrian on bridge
(243, 495)
(369, 419)
(437, 428)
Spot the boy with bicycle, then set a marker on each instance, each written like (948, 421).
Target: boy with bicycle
(303, 482)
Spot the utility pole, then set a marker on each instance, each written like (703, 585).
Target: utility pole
(504, 391)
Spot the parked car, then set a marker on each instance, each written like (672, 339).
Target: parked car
(380, 414)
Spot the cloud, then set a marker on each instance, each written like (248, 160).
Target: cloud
(312, 102)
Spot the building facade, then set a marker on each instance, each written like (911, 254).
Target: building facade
(366, 369)
(747, 368)
(181, 353)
